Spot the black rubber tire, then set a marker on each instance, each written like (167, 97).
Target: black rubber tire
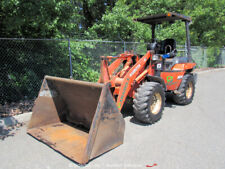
(181, 98)
(143, 100)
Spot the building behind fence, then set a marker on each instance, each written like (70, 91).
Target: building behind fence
(25, 62)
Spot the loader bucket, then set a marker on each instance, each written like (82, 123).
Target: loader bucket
(76, 118)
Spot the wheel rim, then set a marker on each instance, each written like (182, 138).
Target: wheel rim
(189, 90)
(156, 103)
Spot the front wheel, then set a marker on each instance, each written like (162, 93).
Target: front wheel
(149, 102)
(186, 90)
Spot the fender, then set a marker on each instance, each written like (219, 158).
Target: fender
(157, 79)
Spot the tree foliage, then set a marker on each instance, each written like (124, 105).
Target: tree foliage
(35, 19)
(91, 19)
(111, 19)
(208, 20)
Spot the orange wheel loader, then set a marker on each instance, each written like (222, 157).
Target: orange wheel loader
(82, 120)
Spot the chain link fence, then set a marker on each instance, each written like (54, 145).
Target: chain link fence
(25, 62)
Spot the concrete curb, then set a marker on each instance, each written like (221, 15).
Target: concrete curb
(210, 70)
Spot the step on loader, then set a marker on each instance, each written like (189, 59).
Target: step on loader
(82, 120)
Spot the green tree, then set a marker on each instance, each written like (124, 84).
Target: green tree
(208, 26)
(92, 10)
(118, 25)
(206, 29)
(36, 19)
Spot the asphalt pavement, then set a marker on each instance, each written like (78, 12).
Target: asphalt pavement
(187, 137)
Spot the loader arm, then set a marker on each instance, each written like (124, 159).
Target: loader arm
(129, 79)
(107, 71)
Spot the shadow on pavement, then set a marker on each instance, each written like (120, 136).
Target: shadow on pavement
(128, 110)
(8, 126)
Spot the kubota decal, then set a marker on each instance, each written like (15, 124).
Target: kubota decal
(119, 105)
(123, 93)
(135, 70)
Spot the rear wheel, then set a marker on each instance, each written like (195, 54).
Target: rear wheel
(149, 102)
(186, 90)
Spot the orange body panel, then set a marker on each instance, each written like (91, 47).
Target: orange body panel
(172, 79)
(183, 66)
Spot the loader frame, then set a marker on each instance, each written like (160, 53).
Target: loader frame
(141, 68)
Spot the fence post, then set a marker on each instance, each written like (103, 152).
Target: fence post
(124, 46)
(71, 69)
(124, 43)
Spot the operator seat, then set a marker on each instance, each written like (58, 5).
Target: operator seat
(167, 46)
